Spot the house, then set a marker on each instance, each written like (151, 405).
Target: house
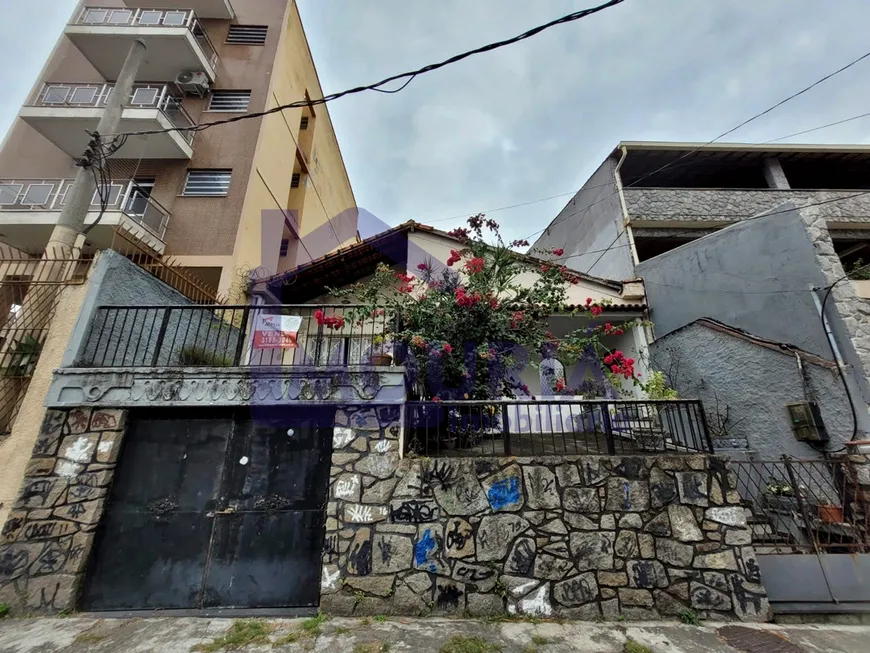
(749, 236)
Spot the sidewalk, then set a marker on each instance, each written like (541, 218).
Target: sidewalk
(181, 635)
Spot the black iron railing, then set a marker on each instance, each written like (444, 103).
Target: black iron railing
(555, 427)
(225, 336)
(803, 506)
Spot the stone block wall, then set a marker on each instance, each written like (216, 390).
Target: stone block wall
(47, 539)
(577, 537)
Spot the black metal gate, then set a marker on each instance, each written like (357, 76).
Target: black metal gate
(215, 510)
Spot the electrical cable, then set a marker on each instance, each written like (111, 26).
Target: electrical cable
(720, 136)
(410, 75)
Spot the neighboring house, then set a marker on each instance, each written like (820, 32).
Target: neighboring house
(751, 236)
(232, 197)
(746, 382)
(647, 198)
(406, 246)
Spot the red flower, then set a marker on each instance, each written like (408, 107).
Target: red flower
(423, 266)
(607, 328)
(330, 322)
(560, 385)
(516, 318)
(519, 243)
(588, 301)
(596, 310)
(615, 369)
(318, 315)
(454, 258)
(545, 268)
(493, 303)
(460, 232)
(447, 348)
(436, 399)
(558, 252)
(475, 265)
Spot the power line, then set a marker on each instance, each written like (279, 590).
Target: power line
(720, 136)
(830, 124)
(408, 76)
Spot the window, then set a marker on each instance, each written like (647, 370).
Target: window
(295, 180)
(227, 100)
(207, 183)
(247, 34)
(303, 124)
(285, 245)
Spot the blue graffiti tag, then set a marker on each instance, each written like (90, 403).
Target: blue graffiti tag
(423, 549)
(503, 493)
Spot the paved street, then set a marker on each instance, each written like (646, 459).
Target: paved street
(182, 635)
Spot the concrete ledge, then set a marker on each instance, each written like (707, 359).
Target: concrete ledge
(224, 386)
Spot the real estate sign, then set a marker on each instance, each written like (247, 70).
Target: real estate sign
(276, 331)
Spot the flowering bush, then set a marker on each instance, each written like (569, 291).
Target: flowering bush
(329, 321)
(466, 330)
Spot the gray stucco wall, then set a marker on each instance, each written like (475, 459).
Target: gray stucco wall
(739, 276)
(589, 223)
(129, 337)
(754, 383)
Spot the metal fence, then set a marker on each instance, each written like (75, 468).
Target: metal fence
(802, 506)
(555, 427)
(223, 336)
(29, 289)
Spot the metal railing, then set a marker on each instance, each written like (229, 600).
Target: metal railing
(29, 290)
(142, 96)
(802, 506)
(224, 336)
(50, 195)
(129, 17)
(555, 427)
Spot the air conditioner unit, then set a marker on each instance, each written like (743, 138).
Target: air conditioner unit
(193, 83)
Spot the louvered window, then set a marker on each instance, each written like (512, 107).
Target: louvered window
(303, 124)
(207, 183)
(247, 34)
(295, 180)
(285, 245)
(232, 101)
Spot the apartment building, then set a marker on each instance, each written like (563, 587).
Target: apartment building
(221, 201)
(647, 198)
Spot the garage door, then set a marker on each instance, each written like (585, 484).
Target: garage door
(214, 510)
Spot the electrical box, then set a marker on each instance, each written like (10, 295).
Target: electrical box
(806, 422)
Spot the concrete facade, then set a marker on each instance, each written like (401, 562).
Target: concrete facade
(745, 386)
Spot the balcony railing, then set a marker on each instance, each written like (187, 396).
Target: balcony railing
(229, 336)
(142, 96)
(128, 17)
(50, 195)
(555, 427)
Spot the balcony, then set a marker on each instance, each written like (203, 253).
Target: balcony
(218, 9)
(29, 209)
(65, 113)
(693, 207)
(175, 39)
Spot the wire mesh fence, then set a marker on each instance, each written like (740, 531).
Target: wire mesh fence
(802, 506)
(555, 427)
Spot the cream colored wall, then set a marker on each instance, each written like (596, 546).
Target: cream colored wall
(16, 449)
(328, 192)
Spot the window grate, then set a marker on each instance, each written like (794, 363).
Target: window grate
(247, 34)
(303, 124)
(285, 245)
(295, 180)
(207, 183)
(229, 101)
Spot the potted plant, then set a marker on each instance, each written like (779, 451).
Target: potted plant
(779, 495)
(831, 514)
(381, 354)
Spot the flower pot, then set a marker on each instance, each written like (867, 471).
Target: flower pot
(831, 514)
(780, 502)
(381, 360)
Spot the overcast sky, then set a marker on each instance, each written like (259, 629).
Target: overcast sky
(535, 119)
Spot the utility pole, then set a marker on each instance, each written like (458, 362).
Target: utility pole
(81, 193)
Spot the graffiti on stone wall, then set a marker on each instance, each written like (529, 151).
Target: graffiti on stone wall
(413, 512)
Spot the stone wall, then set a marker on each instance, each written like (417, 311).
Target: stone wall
(577, 537)
(727, 205)
(47, 539)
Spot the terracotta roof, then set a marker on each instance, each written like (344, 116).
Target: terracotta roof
(774, 345)
(348, 264)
